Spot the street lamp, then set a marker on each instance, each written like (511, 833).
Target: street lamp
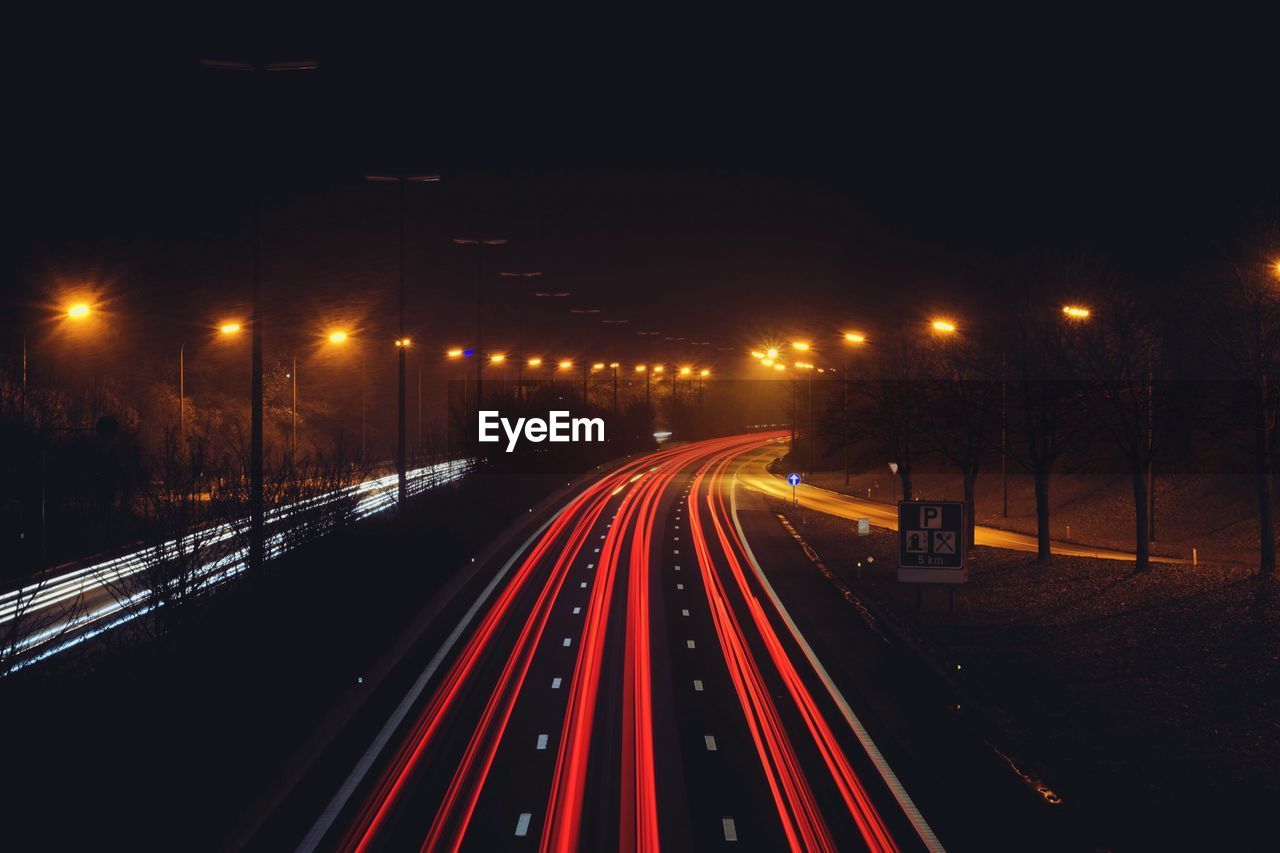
(944, 327)
(1075, 312)
(339, 337)
(858, 339)
(402, 343)
(257, 509)
(479, 244)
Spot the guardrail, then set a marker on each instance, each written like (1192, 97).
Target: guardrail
(50, 604)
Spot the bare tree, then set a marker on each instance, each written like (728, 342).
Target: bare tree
(174, 569)
(1037, 370)
(1244, 328)
(964, 394)
(894, 403)
(1117, 352)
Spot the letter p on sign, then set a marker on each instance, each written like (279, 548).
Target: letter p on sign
(930, 516)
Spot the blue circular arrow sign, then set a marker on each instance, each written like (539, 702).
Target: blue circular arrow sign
(794, 479)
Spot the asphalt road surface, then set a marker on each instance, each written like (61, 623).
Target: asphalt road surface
(629, 679)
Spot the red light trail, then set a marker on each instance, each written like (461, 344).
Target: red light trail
(623, 569)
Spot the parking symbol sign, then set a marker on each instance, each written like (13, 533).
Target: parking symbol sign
(931, 541)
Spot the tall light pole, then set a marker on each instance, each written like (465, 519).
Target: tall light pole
(644, 368)
(648, 355)
(182, 407)
(257, 507)
(402, 339)
(479, 243)
(856, 339)
(293, 411)
(585, 313)
(527, 277)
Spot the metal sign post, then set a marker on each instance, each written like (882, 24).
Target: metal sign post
(794, 479)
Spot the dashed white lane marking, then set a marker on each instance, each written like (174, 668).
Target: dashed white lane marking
(676, 551)
(877, 758)
(591, 565)
(577, 610)
(601, 535)
(710, 741)
(730, 831)
(322, 825)
(555, 684)
(542, 741)
(568, 641)
(684, 611)
(697, 684)
(522, 825)
(675, 539)
(597, 550)
(691, 644)
(677, 568)
(583, 585)
(679, 586)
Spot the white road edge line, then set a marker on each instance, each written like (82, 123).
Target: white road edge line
(324, 822)
(890, 778)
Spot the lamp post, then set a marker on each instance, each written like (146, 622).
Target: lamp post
(257, 508)
(479, 244)
(402, 342)
(182, 408)
(648, 354)
(293, 410)
(857, 339)
(586, 345)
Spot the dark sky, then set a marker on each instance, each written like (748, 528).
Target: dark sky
(714, 182)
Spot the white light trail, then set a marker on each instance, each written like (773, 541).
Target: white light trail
(41, 598)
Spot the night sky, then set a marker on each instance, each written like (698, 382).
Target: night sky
(714, 185)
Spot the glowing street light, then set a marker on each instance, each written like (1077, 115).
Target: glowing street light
(1076, 312)
(566, 364)
(337, 337)
(945, 327)
(404, 343)
(771, 352)
(855, 338)
(79, 311)
(704, 373)
(535, 362)
(802, 346)
(497, 358)
(599, 365)
(658, 368)
(767, 362)
(757, 354)
(685, 371)
(779, 367)
(229, 328)
(454, 353)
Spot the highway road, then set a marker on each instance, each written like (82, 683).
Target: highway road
(755, 475)
(626, 679)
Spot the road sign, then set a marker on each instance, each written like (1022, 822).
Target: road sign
(931, 542)
(793, 479)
